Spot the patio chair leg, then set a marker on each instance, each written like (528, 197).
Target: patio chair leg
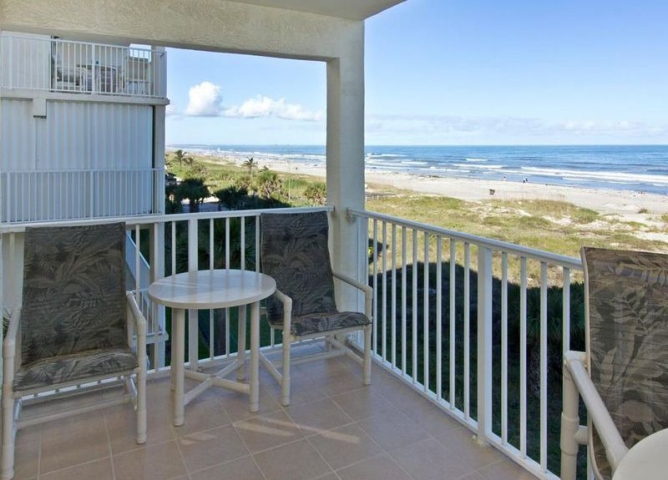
(285, 381)
(141, 407)
(7, 437)
(367, 355)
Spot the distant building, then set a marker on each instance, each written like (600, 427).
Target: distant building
(81, 129)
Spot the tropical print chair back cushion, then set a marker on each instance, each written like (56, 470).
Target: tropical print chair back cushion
(294, 252)
(73, 290)
(627, 313)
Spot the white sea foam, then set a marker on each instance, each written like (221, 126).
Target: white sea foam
(480, 167)
(476, 160)
(620, 177)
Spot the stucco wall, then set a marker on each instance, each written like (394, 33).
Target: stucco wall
(199, 24)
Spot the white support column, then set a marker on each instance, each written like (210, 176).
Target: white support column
(484, 345)
(345, 155)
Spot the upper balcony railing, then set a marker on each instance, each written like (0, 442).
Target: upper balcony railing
(80, 194)
(31, 62)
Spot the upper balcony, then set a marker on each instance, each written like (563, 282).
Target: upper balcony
(32, 63)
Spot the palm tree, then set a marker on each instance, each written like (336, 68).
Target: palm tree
(194, 190)
(179, 156)
(251, 165)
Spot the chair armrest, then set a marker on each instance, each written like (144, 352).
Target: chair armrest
(287, 309)
(615, 448)
(368, 291)
(136, 315)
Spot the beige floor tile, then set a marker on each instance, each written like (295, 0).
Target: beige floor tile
(322, 368)
(430, 417)
(241, 469)
(505, 470)
(268, 431)
(302, 390)
(89, 422)
(211, 447)
(393, 431)
(344, 446)
(380, 467)
(236, 405)
(461, 441)
(203, 415)
(363, 403)
(338, 383)
(156, 462)
(122, 428)
(328, 476)
(294, 461)
(473, 476)
(319, 416)
(28, 435)
(26, 461)
(98, 470)
(74, 447)
(429, 460)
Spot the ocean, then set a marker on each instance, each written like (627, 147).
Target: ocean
(641, 168)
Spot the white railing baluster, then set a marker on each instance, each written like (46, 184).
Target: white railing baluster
(453, 336)
(193, 320)
(376, 252)
(467, 330)
(394, 296)
(212, 263)
(404, 303)
(504, 347)
(384, 293)
(523, 356)
(543, 366)
(439, 319)
(484, 353)
(425, 314)
(566, 314)
(414, 313)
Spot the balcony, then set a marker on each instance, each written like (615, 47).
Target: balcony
(461, 387)
(39, 63)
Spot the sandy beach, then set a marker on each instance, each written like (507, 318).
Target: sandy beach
(626, 204)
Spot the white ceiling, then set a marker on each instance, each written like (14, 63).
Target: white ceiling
(348, 9)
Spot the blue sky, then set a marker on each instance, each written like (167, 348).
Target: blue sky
(451, 72)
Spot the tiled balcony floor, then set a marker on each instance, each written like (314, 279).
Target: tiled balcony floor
(335, 429)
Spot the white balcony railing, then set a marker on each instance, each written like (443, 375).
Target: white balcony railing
(464, 321)
(31, 62)
(63, 195)
(475, 325)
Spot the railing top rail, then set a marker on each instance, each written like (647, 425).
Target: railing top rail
(532, 253)
(161, 218)
(24, 36)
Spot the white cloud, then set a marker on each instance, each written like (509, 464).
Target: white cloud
(262, 106)
(171, 110)
(205, 100)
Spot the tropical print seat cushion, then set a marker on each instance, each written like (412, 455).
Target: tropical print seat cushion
(73, 291)
(78, 366)
(295, 253)
(628, 340)
(325, 322)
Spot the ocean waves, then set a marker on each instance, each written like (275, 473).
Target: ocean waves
(638, 168)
